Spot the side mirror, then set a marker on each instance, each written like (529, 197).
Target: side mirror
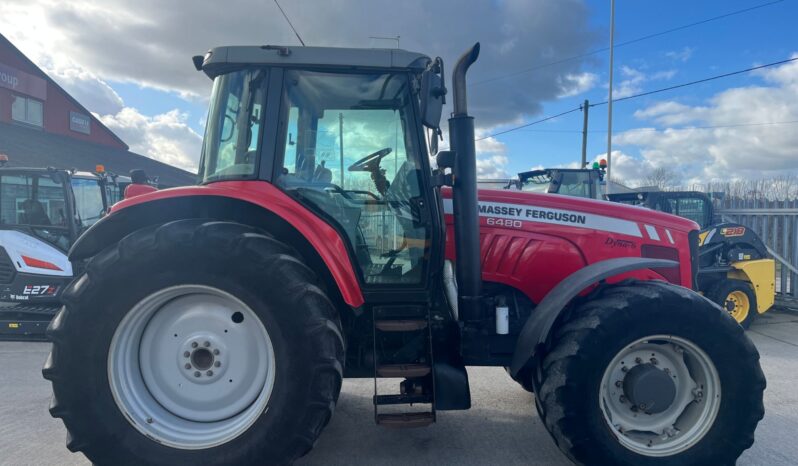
(445, 159)
(433, 92)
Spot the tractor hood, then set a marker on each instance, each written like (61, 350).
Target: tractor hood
(575, 211)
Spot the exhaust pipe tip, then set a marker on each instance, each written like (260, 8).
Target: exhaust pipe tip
(459, 79)
(471, 55)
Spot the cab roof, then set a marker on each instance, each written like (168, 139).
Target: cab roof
(219, 60)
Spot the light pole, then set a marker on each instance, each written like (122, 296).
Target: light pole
(609, 100)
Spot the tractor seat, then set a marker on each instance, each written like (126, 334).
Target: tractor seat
(34, 213)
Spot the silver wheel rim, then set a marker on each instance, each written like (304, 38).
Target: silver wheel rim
(191, 367)
(687, 419)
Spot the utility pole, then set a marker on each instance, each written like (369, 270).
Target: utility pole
(341, 144)
(585, 109)
(609, 100)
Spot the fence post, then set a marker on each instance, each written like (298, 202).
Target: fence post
(785, 247)
(794, 242)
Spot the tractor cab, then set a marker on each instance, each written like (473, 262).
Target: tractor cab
(345, 142)
(568, 181)
(694, 205)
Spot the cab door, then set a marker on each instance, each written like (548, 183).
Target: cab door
(351, 151)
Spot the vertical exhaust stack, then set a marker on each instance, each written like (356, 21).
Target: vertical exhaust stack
(464, 194)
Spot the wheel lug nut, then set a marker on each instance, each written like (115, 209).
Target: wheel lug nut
(209, 373)
(206, 344)
(638, 360)
(618, 383)
(216, 352)
(622, 399)
(194, 344)
(186, 354)
(187, 366)
(149, 420)
(196, 374)
(624, 369)
(654, 361)
(217, 364)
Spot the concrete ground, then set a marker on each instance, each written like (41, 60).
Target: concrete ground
(501, 428)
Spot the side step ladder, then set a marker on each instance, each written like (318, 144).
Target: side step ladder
(411, 324)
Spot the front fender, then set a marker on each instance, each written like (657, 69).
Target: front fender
(537, 327)
(255, 203)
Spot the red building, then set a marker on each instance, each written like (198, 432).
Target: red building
(42, 125)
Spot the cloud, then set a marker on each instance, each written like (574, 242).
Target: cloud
(492, 159)
(742, 132)
(88, 89)
(150, 42)
(681, 55)
(633, 80)
(626, 169)
(672, 113)
(165, 137)
(575, 84)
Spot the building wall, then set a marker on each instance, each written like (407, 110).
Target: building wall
(19, 77)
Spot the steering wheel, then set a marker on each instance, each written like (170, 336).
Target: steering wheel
(370, 162)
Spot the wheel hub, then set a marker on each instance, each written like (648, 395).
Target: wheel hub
(737, 304)
(730, 305)
(649, 389)
(660, 395)
(203, 357)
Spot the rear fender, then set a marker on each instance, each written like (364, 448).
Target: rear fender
(537, 327)
(258, 204)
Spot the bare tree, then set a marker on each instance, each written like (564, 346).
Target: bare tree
(783, 187)
(661, 177)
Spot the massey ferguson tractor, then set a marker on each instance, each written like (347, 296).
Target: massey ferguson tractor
(213, 324)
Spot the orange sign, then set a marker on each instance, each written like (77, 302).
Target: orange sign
(732, 231)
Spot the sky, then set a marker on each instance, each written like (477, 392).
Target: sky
(130, 64)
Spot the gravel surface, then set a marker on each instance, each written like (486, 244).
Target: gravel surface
(501, 428)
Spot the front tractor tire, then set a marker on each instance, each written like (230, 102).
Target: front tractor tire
(195, 342)
(648, 373)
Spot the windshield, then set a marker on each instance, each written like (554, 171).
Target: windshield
(88, 201)
(32, 200)
(575, 184)
(35, 202)
(537, 184)
(234, 126)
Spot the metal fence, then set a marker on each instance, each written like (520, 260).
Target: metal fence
(776, 222)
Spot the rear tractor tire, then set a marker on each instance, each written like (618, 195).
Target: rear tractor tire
(737, 298)
(648, 373)
(195, 342)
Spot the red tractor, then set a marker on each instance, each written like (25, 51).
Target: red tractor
(214, 324)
